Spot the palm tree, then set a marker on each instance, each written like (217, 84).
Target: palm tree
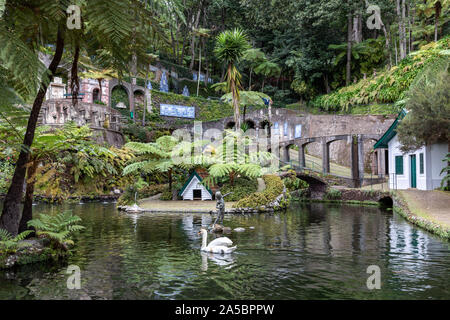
(230, 48)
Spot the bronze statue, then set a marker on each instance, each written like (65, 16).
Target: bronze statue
(220, 206)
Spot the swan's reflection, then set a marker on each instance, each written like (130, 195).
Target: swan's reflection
(219, 259)
(134, 218)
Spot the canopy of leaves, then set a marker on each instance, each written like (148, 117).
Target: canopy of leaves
(428, 103)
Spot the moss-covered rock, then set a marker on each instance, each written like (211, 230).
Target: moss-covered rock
(35, 251)
(273, 198)
(242, 188)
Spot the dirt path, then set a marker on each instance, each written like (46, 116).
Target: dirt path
(433, 205)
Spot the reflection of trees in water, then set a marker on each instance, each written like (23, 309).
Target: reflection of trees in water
(312, 251)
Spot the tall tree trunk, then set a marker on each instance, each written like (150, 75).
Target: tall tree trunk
(199, 67)
(357, 28)
(396, 52)
(101, 88)
(11, 214)
(401, 30)
(145, 93)
(349, 50)
(411, 37)
(234, 93)
(194, 27)
(388, 44)
(437, 8)
(404, 24)
(27, 213)
(326, 83)
(74, 80)
(205, 57)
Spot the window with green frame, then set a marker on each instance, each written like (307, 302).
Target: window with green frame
(421, 164)
(398, 164)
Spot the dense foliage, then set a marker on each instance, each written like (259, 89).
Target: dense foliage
(386, 87)
(241, 188)
(274, 187)
(428, 105)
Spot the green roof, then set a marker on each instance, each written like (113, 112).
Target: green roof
(390, 133)
(193, 174)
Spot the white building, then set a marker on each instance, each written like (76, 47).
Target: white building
(419, 169)
(193, 189)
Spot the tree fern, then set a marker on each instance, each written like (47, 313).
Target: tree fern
(9, 244)
(57, 228)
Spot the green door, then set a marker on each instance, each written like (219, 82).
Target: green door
(413, 172)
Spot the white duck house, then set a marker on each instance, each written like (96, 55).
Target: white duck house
(193, 189)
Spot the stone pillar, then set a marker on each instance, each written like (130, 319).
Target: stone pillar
(361, 157)
(301, 156)
(325, 157)
(286, 154)
(381, 165)
(354, 160)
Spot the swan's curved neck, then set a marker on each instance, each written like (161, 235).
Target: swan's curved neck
(205, 238)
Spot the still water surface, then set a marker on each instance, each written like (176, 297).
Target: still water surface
(313, 251)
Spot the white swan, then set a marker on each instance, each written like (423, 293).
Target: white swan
(219, 245)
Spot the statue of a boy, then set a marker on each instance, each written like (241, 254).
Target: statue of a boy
(220, 206)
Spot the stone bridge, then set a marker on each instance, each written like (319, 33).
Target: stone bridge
(356, 142)
(296, 128)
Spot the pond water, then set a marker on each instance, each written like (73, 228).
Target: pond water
(313, 251)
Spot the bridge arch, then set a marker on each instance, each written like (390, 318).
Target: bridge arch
(317, 186)
(230, 125)
(302, 144)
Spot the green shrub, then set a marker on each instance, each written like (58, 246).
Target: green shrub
(99, 102)
(293, 183)
(136, 132)
(274, 187)
(242, 188)
(152, 190)
(333, 194)
(6, 173)
(207, 110)
(386, 87)
(10, 244)
(167, 195)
